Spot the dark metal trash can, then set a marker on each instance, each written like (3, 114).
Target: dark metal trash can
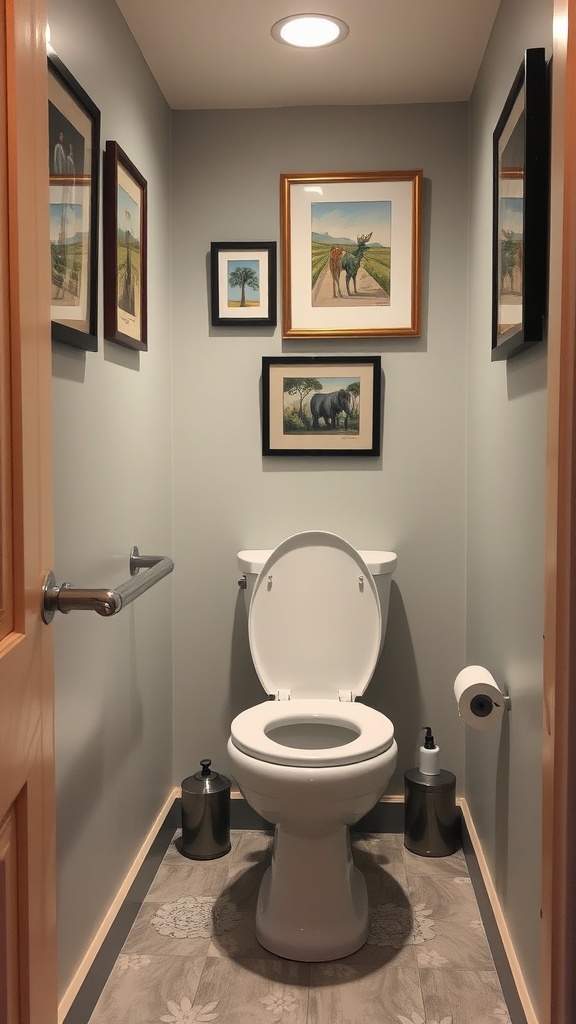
(431, 819)
(205, 814)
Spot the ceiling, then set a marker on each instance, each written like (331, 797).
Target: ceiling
(208, 54)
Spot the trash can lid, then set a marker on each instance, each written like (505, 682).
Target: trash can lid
(205, 781)
(426, 783)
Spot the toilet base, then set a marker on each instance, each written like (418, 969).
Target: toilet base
(312, 904)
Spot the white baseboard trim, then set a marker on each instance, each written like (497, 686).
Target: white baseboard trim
(92, 951)
(515, 969)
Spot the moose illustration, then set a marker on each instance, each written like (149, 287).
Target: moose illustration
(349, 262)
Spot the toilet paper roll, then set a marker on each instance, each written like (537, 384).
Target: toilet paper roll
(479, 698)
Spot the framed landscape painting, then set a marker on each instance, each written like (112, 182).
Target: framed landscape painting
(74, 161)
(315, 405)
(125, 250)
(520, 212)
(243, 284)
(351, 254)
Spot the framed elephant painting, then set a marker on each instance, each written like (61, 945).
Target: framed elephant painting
(313, 405)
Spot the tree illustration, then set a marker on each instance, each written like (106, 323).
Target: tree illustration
(243, 278)
(301, 386)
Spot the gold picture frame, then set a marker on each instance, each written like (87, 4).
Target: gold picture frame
(351, 262)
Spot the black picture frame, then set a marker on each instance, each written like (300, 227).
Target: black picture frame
(74, 164)
(125, 250)
(293, 423)
(521, 158)
(243, 265)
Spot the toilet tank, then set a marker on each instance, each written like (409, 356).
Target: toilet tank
(381, 565)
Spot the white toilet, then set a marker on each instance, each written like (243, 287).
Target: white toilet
(309, 759)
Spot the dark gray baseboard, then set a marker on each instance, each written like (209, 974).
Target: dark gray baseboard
(385, 817)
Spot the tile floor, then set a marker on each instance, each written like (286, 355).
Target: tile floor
(191, 955)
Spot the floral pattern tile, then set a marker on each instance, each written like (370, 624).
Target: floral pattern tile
(474, 997)
(255, 991)
(140, 986)
(451, 897)
(192, 955)
(366, 996)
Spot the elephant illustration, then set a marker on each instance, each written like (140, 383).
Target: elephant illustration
(328, 407)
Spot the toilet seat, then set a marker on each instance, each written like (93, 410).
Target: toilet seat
(315, 621)
(253, 731)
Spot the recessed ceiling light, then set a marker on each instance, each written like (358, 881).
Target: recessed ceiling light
(309, 30)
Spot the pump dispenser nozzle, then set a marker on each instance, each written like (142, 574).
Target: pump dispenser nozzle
(429, 754)
(428, 739)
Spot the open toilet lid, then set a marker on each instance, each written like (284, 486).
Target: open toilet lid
(315, 622)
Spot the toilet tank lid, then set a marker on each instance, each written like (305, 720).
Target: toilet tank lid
(380, 563)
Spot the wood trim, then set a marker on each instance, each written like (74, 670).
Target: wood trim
(558, 936)
(516, 971)
(110, 916)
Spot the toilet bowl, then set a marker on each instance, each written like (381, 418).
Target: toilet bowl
(309, 759)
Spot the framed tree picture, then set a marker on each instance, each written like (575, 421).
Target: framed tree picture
(243, 284)
(125, 250)
(74, 162)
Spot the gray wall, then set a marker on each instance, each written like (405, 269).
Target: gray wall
(465, 516)
(505, 523)
(226, 170)
(112, 449)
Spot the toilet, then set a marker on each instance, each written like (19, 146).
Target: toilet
(310, 759)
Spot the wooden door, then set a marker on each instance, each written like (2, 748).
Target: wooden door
(28, 990)
(558, 990)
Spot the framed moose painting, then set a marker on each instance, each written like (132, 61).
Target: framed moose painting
(351, 254)
(520, 211)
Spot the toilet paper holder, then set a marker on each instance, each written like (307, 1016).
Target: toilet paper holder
(481, 700)
(481, 705)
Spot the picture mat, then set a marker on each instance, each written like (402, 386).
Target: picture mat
(324, 438)
(66, 106)
(227, 256)
(395, 315)
(510, 313)
(128, 323)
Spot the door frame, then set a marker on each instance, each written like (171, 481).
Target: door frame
(558, 935)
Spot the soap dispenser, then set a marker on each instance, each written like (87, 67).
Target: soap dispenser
(432, 824)
(429, 763)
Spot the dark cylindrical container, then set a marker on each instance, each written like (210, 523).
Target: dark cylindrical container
(431, 818)
(205, 814)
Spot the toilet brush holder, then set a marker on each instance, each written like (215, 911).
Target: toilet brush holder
(432, 826)
(205, 814)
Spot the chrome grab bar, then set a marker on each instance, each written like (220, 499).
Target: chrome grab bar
(68, 598)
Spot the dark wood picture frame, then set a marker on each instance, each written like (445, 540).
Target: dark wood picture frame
(521, 159)
(243, 284)
(125, 250)
(321, 405)
(74, 165)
